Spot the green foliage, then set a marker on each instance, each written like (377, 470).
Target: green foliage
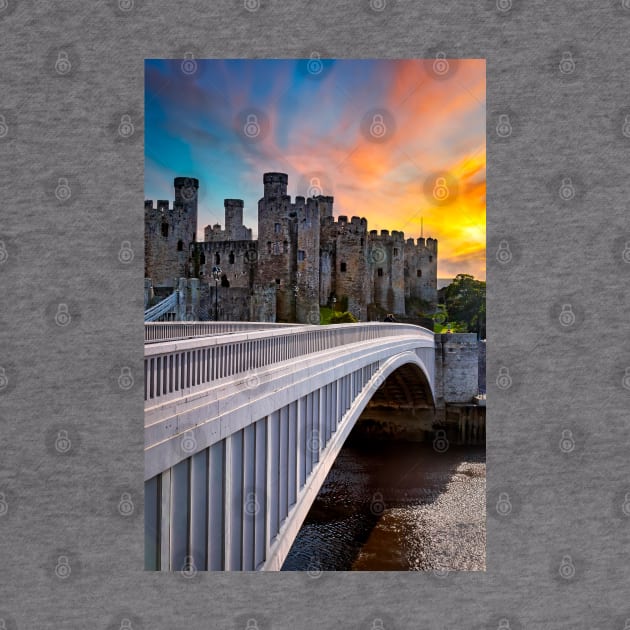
(325, 314)
(465, 305)
(343, 318)
(417, 307)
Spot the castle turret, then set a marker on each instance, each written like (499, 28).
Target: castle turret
(275, 185)
(421, 270)
(169, 233)
(277, 243)
(233, 215)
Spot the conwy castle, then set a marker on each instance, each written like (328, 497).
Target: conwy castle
(303, 259)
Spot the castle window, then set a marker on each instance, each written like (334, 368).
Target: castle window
(419, 273)
(362, 240)
(165, 230)
(277, 228)
(379, 272)
(276, 248)
(277, 280)
(202, 259)
(180, 245)
(406, 272)
(395, 251)
(231, 258)
(269, 247)
(301, 255)
(430, 258)
(217, 259)
(342, 267)
(286, 247)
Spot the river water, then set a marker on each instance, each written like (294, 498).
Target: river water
(397, 506)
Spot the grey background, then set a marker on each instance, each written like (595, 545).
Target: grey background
(66, 378)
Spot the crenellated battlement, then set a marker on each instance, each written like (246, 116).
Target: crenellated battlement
(302, 250)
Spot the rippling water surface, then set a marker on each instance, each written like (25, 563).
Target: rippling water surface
(397, 506)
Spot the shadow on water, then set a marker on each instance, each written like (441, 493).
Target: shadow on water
(391, 505)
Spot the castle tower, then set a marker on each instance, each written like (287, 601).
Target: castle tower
(233, 217)
(421, 270)
(386, 255)
(307, 259)
(277, 243)
(344, 267)
(169, 234)
(186, 194)
(275, 185)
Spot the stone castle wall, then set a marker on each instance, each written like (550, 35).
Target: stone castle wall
(303, 257)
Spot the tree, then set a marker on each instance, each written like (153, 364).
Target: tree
(465, 302)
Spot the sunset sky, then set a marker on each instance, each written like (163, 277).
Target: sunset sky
(376, 135)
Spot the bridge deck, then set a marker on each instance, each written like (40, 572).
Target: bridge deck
(264, 413)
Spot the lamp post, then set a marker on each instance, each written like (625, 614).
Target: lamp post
(216, 274)
(296, 290)
(334, 303)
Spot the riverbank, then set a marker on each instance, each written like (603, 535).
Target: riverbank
(397, 506)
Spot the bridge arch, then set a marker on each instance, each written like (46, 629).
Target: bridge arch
(241, 430)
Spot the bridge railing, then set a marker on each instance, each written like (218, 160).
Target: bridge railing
(167, 305)
(174, 331)
(174, 367)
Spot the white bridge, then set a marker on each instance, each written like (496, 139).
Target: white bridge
(243, 421)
